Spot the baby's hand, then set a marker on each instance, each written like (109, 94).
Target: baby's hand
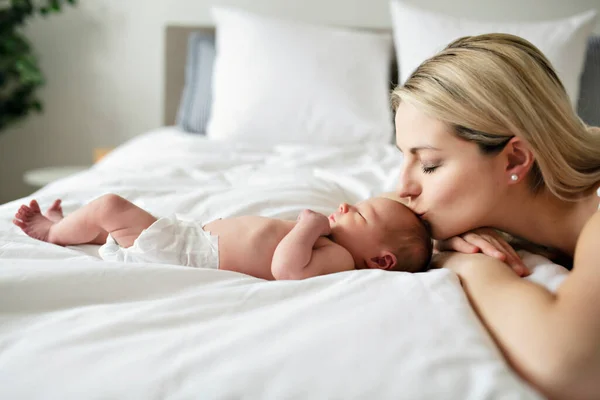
(319, 221)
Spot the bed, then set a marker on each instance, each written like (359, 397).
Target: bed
(75, 327)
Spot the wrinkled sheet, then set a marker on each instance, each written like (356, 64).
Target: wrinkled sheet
(73, 326)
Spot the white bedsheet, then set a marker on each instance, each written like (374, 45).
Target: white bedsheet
(75, 327)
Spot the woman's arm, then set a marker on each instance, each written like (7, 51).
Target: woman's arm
(552, 340)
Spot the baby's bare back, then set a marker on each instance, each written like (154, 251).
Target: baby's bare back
(247, 244)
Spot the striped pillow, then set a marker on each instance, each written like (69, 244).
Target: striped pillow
(589, 97)
(195, 104)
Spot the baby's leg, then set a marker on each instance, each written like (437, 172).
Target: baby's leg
(109, 214)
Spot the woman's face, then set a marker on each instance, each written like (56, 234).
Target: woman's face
(448, 180)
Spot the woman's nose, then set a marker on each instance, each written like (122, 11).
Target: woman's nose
(407, 187)
(344, 207)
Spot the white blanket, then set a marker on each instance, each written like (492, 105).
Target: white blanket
(75, 327)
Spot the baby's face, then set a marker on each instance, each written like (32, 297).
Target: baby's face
(361, 228)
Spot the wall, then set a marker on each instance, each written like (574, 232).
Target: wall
(104, 67)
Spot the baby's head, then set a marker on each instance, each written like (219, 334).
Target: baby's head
(382, 233)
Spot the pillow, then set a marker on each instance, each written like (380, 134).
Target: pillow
(589, 97)
(194, 107)
(277, 81)
(420, 34)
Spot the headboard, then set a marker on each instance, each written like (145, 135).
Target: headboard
(176, 37)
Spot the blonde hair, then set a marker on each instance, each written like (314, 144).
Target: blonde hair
(490, 88)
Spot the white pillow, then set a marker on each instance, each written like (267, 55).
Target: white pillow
(420, 34)
(277, 82)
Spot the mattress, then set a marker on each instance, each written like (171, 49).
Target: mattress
(73, 326)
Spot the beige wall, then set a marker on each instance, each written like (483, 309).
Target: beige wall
(103, 62)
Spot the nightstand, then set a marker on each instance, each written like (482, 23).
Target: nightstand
(100, 152)
(42, 176)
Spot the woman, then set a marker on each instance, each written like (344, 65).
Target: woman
(490, 140)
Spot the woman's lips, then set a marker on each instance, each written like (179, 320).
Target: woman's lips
(332, 217)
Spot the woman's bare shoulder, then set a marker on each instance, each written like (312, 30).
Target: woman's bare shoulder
(588, 244)
(586, 267)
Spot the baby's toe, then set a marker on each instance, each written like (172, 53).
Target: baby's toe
(34, 205)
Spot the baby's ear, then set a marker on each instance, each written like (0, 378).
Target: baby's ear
(385, 260)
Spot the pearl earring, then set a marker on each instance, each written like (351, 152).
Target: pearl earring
(514, 177)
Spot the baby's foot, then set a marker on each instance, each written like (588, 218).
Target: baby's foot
(55, 212)
(32, 222)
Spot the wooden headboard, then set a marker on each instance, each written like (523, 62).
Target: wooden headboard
(176, 37)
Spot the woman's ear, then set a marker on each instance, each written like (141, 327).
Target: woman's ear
(519, 159)
(385, 260)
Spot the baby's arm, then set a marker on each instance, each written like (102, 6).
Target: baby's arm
(304, 253)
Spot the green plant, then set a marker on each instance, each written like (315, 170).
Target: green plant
(20, 75)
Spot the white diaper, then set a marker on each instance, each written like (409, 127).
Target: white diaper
(169, 240)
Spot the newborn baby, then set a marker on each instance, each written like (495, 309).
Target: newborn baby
(376, 233)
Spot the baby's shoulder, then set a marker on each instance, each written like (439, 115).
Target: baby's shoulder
(323, 241)
(331, 245)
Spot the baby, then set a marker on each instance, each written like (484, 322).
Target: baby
(376, 233)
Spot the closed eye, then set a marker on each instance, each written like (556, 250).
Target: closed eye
(429, 169)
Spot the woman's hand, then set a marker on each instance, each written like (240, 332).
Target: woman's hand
(488, 242)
